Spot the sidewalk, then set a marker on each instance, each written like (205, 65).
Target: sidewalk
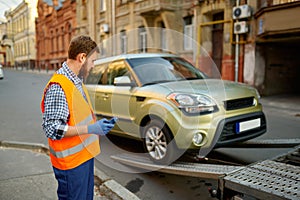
(26, 173)
(36, 71)
(285, 102)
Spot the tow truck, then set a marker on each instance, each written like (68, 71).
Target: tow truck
(277, 178)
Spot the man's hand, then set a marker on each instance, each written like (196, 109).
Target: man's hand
(101, 127)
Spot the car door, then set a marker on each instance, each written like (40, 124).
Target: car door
(119, 101)
(96, 84)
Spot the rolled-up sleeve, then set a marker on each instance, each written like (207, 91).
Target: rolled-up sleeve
(56, 113)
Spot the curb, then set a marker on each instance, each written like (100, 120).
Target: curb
(40, 148)
(106, 185)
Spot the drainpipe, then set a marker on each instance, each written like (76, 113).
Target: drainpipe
(236, 68)
(195, 33)
(113, 24)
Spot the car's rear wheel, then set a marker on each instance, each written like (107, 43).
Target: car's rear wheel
(158, 142)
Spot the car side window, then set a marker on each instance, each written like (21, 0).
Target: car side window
(97, 75)
(116, 69)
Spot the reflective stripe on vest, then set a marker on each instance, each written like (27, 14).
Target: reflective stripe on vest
(86, 120)
(75, 149)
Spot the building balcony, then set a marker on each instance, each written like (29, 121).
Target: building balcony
(7, 40)
(122, 10)
(154, 6)
(268, 3)
(278, 21)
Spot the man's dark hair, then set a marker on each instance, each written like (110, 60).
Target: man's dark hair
(81, 44)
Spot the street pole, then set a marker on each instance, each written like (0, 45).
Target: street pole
(237, 49)
(113, 24)
(28, 37)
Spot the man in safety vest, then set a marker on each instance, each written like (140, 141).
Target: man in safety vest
(70, 124)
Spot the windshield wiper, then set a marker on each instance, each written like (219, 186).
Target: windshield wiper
(156, 82)
(193, 78)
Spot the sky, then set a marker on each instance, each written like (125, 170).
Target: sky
(6, 5)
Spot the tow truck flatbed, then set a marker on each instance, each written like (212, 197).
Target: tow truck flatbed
(277, 178)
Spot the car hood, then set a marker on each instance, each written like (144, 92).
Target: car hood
(220, 90)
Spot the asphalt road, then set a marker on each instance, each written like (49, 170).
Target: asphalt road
(20, 120)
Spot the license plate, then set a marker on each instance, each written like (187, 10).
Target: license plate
(247, 125)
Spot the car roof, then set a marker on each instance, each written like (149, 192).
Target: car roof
(131, 56)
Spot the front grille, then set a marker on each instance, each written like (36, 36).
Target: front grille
(239, 103)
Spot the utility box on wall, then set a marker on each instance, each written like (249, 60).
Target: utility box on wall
(241, 12)
(240, 27)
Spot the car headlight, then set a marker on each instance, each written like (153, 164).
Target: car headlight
(193, 103)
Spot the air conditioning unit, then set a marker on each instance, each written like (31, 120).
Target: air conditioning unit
(240, 27)
(104, 28)
(240, 12)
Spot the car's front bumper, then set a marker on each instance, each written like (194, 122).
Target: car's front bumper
(226, 131)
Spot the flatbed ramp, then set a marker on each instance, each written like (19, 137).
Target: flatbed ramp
(210, 171)
(273, 179)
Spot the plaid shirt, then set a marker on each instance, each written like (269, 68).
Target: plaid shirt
(56, 115)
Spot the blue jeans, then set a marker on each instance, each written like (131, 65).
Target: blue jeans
(76, 183)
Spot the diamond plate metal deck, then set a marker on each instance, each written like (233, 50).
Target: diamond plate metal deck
(266, 180)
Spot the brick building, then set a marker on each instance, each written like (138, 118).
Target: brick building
(55, 26)
(19, 39)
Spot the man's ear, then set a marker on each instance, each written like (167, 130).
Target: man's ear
(81, 57)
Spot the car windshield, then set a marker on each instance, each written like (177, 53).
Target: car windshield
(164, 69)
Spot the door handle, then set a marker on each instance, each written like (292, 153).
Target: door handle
(105, 96)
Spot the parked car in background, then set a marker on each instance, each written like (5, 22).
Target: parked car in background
(172, 106)
(1, 72)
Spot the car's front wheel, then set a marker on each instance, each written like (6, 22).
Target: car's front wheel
(158, 142)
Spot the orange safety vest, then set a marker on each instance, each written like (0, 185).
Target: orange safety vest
(70, 152)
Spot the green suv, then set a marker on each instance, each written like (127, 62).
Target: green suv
(172, 106)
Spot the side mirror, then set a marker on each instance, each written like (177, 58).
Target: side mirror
(123, 81)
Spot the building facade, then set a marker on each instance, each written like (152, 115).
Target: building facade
(276, 47)
(248, 41)
(19, 40)
(125, 26)
(55, 27)
(3, 56)
(200, 31)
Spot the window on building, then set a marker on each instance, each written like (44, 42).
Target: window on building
(102, 46)
(16, 50)
(123, 2)
(23, 49)
(123, 41)
(26, 47)
(69, 33)
(25, 22)
(57, 41)
(163, 38)
(188, 33)
(102, 5)
(142, 39)
(52, 42)
(22, 23)
(62, 39)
